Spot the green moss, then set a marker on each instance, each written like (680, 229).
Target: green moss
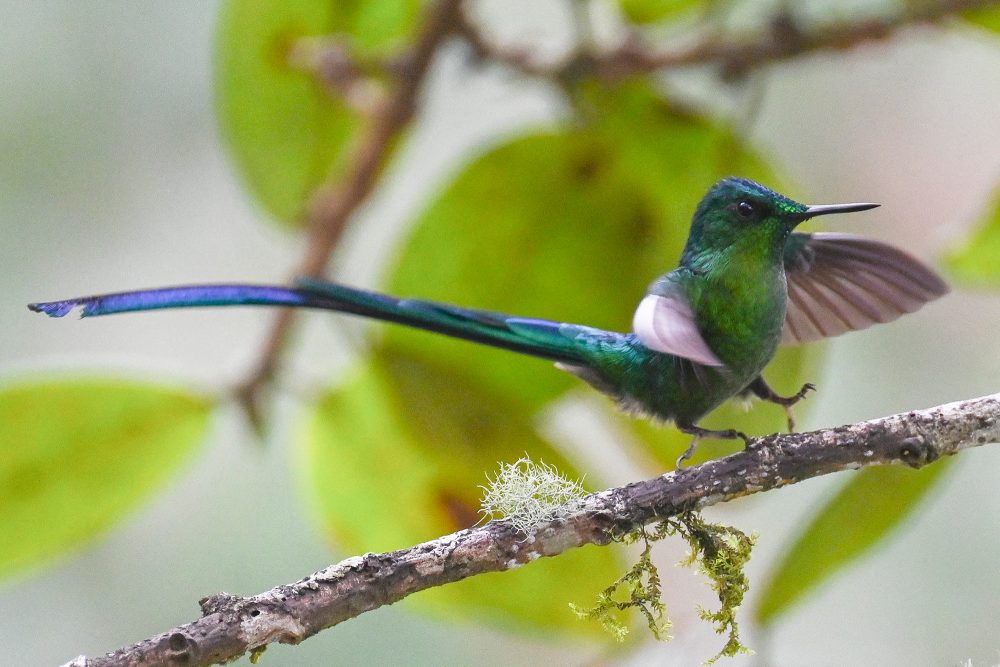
(257, 653)
(638, 589)
(720, 552)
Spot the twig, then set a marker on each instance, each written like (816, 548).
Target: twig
(233, 625)
(784, 40)
(344, 74)
(332, 207)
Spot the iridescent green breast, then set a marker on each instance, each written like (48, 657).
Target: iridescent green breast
(741, 315)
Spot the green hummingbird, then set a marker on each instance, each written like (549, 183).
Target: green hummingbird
(702, 334)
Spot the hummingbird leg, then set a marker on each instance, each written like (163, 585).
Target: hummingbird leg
(687, 452)
(699, 433)
(763, 391)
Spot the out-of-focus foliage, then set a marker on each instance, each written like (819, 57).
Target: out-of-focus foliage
(653, 11)
(976, 263)
(81, 453)
(865, 510)
(988, 18)
(398, 454)
(549, 225)
(286, 131)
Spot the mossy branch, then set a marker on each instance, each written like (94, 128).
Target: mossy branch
(232, 625)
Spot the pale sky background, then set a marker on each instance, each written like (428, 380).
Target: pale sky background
(114, 176)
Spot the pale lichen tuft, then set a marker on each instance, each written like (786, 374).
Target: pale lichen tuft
(526, 493)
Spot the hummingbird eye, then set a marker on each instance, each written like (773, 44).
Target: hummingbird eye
(745, 208)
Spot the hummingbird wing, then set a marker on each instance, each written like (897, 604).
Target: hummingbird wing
(840, 282)
(665, 322)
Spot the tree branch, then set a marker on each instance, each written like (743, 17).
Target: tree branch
(232, 625)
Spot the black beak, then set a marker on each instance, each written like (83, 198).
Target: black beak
(826, 209)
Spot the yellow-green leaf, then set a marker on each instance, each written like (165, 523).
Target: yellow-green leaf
(986, 17)
(859, 516)
(287, 133)
(396, 456)
(545, 226)
(653, 11)
(79, 454)
(378, 27)
(978, 262)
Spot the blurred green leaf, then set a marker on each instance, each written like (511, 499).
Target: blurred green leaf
(79, 454)
(396, 456)
(569, 225)
(652, 11)
(287, 133)
(858, 517)
(548, 226)
(978, 262)
(986, 17)
(379, 27)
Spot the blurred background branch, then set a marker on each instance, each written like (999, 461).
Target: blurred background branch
(735, 56)
(332, 206)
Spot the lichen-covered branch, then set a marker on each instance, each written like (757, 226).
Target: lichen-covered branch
(232, 625)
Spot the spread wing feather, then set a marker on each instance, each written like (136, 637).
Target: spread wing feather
(840, 282)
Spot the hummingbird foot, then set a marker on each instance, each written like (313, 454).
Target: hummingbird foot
(763, 391)
(790, 417)
(801, 393)
(699, 433)
(789, 401)
(687, 453)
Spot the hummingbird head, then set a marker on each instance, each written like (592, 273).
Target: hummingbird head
(740, 213)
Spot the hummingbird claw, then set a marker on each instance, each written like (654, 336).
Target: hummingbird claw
(789, 413)
(763, 391)
(699, 433)
(806, 388)
(687, 453)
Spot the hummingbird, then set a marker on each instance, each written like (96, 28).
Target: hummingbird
(702, 334)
